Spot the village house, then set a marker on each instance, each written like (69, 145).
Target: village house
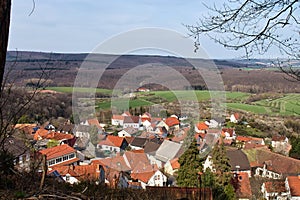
(74, 174)
(128, 132)
(168, 150)
(149, 176)
(138, 143)
(22, 156)
(172, 123)
(112, 144)
(274, 189)
(132, 121)
(292, 184)
(201, 127)
(267, 164)
(60, 155)
(117, 120)
(242, 186)
(228, 133)
(172, 166)
(234, 118)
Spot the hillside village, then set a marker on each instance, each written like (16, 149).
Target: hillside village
(143, 151)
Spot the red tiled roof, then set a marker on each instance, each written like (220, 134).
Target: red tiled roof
(144, 177)
(275, 162)
(278, 138)
(294, 184)
(117, 163)
(45, 134)
(135, 158)
(243, 189)
(94, 122)
(81, 172)
(247, 139)
(112, 140)
(236, 116)
(172, 121)
(131, 119)
(118, 117)
(202, 126)
(174, 163)
(57, 151)
(277, 186)
(126, 113)
(228, 130)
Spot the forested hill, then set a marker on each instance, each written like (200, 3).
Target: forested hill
(257, 75)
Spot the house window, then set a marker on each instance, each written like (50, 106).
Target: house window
(65, 158)
(51, 162)
(71, 156)
(58, 160)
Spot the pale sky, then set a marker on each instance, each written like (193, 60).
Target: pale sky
(78, 26)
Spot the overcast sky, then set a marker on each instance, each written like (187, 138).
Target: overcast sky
(80, 25)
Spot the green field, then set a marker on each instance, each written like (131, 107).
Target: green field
(289, 104)
(70, 90)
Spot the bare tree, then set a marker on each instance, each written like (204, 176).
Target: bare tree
(5, 9)
(255, 26)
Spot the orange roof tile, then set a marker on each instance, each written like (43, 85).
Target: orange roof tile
(172, 121)
(112, 141)
(236, 116)
(136, 158)
(175, 164)
(94, 122)
(277, 186)
(243, 189)
(81, 172)
(294, 184)
(117, 163)
(57, 151)
(118, 117)
(202, 126)
(144, 177)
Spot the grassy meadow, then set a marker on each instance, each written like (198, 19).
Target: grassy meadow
(288, 104)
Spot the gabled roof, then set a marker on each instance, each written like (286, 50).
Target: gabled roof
(118, 117)
(202, 126)
(81, 172)
(238, 158)
(236, 116)
(174, 163)
(66, 128)
(144, 177)
(228, 130)
(57, 151)
(167, 150)
(275, 186)
(112, 140)
(144, 173)
(243, 189)
(274, 162)
(151, 147)
(278, 138)
(94, 122)
(131, 119)
(139, 142)
(46, 134)
(136, 158)
(172, 121)
(294, 184)
(126, 113)
(116, 163)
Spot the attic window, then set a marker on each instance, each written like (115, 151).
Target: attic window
(240, 178)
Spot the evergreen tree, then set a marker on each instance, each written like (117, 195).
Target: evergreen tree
(222, 187)
(190, 166)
